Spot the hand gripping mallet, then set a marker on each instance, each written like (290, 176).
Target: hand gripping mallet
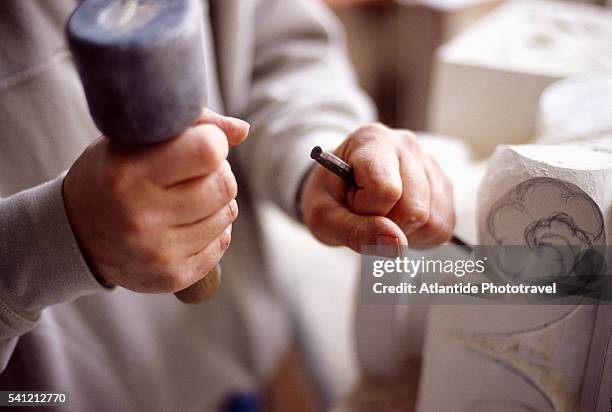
(142, 67)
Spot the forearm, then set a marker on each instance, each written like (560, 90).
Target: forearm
(303, 94)
(40, 261)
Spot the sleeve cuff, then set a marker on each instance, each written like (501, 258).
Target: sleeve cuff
(298, 162)
(40, 260)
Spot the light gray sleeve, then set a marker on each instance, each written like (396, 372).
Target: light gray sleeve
(40, 261)
(303, 94)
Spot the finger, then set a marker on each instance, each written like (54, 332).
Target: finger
(199, 198)
(336, 225)
(235, 129)
(191, 239)
(197, 152)
(412, 210)
(203, 261)
(441, 223)
(377, 172)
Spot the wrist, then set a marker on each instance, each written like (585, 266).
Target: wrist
(86, 258)
(299, 196)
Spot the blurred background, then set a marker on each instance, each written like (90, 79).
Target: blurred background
(466, 75)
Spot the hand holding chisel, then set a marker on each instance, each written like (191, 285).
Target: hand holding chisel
(345, 171)
(391, 193)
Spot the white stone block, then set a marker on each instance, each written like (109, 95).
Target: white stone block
(488, 80)
(576, 109)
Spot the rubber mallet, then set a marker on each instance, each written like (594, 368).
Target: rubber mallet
(142, 67)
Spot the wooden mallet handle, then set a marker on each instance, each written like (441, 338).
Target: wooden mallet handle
(203, 289)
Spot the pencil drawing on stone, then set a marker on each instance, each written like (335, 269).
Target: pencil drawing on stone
(558, 223)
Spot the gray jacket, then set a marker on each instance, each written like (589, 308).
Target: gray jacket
(280, 65)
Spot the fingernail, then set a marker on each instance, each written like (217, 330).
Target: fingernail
(240, 123)
(388, 246)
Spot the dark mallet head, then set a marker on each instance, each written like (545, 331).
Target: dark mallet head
(142, 65)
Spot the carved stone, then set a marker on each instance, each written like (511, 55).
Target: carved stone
(528, 357)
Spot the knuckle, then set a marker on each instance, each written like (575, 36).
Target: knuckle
(169, 277)
(445, 236)
(435, 224)
(210, 145)
(140, 223)
(161, 259)
(369, 132)
(224, 241)
(440, 229)
(232, 211)
(170, 273)
(135, 231)
(204, 150)
(419, 217)
(389, 192)
(410, 141)
(409, 137)
(373, 129)
(169, 282)
(226, 183)
(215, 253)
(384, 188)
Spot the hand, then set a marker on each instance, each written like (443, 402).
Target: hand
(402, 198)
(156, 218)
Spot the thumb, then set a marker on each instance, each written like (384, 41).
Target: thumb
(235, 129)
